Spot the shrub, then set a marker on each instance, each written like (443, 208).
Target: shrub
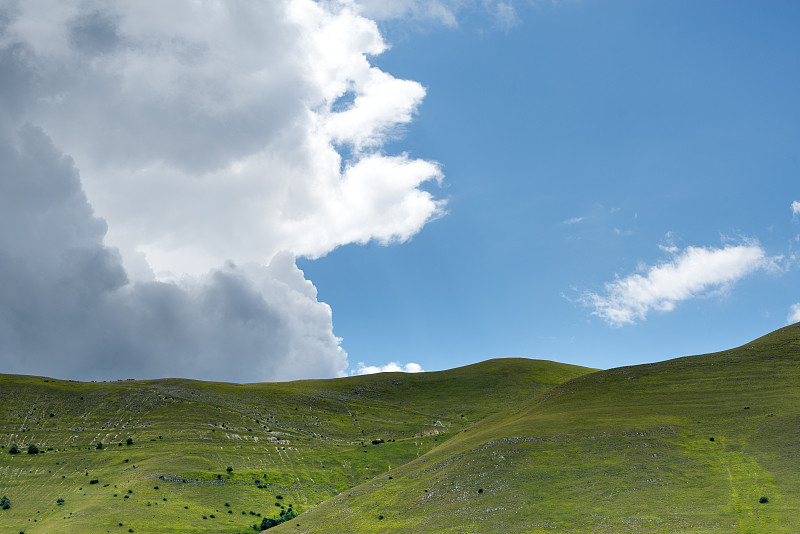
(129, 441)
(762, 500)
(13, 449)
(33, 449)
(285, 515)
(59, 501)
(229, 469)
(99, 445)
(94, 481)
(5, 503)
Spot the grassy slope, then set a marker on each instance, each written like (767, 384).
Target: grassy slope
(305, 441)
(624, 450)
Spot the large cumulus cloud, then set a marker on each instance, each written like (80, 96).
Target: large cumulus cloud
(163, 164)
(67, 307)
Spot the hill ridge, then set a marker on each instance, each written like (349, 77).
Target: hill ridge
(302, 440)
(692, 444)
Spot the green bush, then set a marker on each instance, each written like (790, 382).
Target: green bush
(33, 449)
(285, 515)
(5, 503)
(99, 445)
(13, 449)
(129, 441)
(59, 501)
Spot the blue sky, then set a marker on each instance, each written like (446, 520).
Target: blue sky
(574, 144)
(287, 189)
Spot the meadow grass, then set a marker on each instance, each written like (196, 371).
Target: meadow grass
(687, 445)
(296, 443)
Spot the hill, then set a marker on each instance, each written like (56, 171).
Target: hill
(188, 456)
(698, 444)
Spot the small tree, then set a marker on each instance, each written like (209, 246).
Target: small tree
(99, 445)
(13, 449)
(229, 469)
(129, 441)
(5, 503)
(33, 449)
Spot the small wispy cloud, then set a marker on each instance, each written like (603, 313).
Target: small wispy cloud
(795, 208)
(391, 367)
(688, 274)
(505, 15)
(794, 314)
(574, 220)
(446, 12)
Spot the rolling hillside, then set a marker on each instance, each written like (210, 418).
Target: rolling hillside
(706, 443)
(216, 457)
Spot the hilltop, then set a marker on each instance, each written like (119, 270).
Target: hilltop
(703, 443)
(698, 444)
(178, 455)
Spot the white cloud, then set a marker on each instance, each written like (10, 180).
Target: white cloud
(502, 13)
(207, 133)
(794, 314)
(574, 220)
(795, 208)
(164, 162)
(688, 274)
(443, 12)
(391, 367)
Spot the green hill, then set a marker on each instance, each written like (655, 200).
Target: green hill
(706, 443)
(698, 444)
(288, 445)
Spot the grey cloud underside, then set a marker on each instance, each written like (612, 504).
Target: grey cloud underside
(67, 308)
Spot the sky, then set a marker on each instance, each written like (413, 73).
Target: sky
(287, 189)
